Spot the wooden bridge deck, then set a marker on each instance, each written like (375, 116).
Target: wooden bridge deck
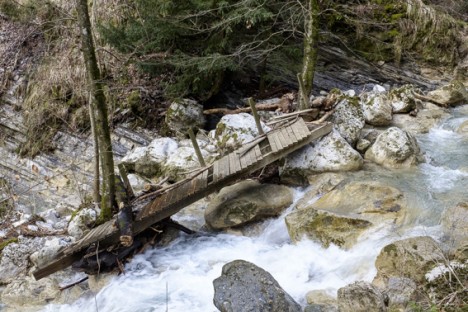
(253, 156)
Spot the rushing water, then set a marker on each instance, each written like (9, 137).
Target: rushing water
(179, 277)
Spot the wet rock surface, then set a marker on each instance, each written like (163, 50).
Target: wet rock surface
(245, 287)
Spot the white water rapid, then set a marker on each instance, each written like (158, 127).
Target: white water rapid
(179, 277)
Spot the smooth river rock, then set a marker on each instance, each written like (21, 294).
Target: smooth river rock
(372, 201)
(402, 99)
(394, 148)
(377, 109)
(245, 202)
(410, 258)
(245, 287)
(325, 227)
(348, 119)
(330, 153)
(455, 225)
(234, 130)
(361, 297)
(184, 114)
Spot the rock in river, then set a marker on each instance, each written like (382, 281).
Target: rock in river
(245, 202)
(245, 287)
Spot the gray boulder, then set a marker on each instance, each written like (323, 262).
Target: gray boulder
(455, 225)
(325, 227)
(427, 117)
(410, 258)
(372, 201)
(400, 291)
(361, 297)
(149, 160)
(14, 258)
(451, 94)
(377, 109)
(402, 99)
(234, 130)
(25, 292)
(184, 114)
(245, 287)
(394, 148)
(320, 301)
(245, 202)
(82, 222)
(331, 153)
(348, 119)
(320, 184)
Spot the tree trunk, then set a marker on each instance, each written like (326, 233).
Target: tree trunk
(311, 38)
(92, 120)
(99, 105)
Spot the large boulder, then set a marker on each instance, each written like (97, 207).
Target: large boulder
(427, 117)
(451, 94)
(234, 130)
(361, 297)
(245, 287)
(245, 202)
(325, 227)
(455, 225)
(394, 148)
(82, 222)
(348, 119)
(183, 115)
(14, 258)
(49, 250)
(329, 153)
(377, 109)
(402, 99)
(184, 160)
(149, 160)
(320, 301)
(320, 184)
(26, 292)
(372, 201)
(410, 258)
(400, 291)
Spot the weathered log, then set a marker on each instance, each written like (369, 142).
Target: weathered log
(428, 99)
(283, 105)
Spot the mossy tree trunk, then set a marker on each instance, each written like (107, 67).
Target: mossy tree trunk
(311, 38)
(108, 202)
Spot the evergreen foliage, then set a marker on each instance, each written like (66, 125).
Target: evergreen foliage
(195, 43)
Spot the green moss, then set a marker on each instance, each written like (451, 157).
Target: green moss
(8, 242)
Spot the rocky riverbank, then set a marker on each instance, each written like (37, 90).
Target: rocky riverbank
(374, 132)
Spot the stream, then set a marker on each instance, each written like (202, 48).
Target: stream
(179, 277)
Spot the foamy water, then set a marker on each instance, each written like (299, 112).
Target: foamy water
(179, 277)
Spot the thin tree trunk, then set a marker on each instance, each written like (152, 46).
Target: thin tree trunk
(311, 38)
(92, 119)
(99, 104)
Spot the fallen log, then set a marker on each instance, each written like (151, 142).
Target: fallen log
(284, 105)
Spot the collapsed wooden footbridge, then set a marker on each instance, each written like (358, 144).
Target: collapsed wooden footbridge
(253, 156)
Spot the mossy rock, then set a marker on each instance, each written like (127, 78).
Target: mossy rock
(325, 227)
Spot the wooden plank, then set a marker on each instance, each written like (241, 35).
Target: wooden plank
(297, 128)
(258, 154)
(284, 141)
(184, 190)
(216, 174)
(248, 158)
(301, 126)
(234, 163)
(291, 134)
(271, 141)
(288, 140)
(278, 146)
(224, 167)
